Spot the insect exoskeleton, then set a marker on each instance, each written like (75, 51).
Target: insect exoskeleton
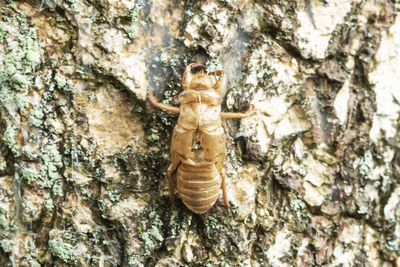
(198, 140)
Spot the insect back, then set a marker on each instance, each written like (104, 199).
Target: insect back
(198, 141)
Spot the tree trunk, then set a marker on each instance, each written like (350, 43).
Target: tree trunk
(313, 176)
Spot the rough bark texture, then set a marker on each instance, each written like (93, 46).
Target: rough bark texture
(313, 175)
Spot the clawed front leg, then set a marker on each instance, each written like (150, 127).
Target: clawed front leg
(239, 115)
(162, 106)
(216, 72)
(220, 85)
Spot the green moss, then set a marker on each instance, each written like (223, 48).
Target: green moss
(365, 165)
(297, 204)
(222, 237)
(33, 262)
(9, 140)
(214, 63)
(397, 214)
(36, 116)
(152, 236)
(62, 250)
(177, 224)
(22, 58)
(28, 153)
(63, 83)
(362, 210)
(393, 244)
(3, 164)
(148, 243)
(168, 97)
(3, 218)
(20, 80)
(155, 137)
(2, 31)
(48, 202)
(52, 162)
(74, 6)
(151, 239)
(393, 241)
(29, 175)
(154, 232)
(134, 261)
(82, 71)
(113, 194)
(134, 14)
(6, 245)
(235, 160)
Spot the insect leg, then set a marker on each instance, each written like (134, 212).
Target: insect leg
(239, 115)
(220, 85)
(223, 186)
(175, 160)
(219, 164)
(162, 106)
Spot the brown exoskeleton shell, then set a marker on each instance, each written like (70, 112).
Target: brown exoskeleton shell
(198, 141)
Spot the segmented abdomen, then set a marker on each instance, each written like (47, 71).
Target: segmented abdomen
(198, 186)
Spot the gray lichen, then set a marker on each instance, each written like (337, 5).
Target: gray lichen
(134, 15)
(52, 162)
(62, 250)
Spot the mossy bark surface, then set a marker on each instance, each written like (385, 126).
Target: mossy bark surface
(313, 176)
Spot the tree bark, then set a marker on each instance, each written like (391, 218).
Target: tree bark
(313, 176)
